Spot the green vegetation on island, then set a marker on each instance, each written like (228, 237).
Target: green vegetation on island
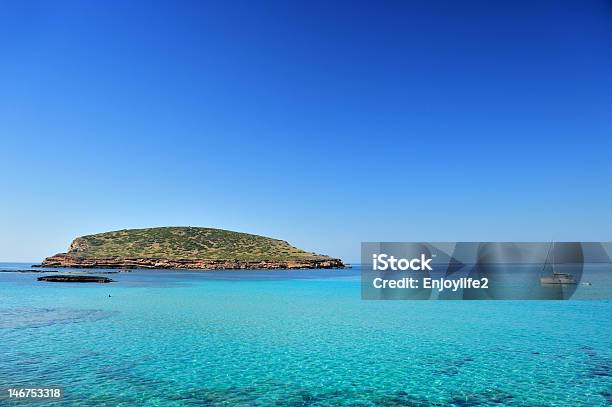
(186, 243)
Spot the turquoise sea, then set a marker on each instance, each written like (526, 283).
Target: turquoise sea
(300, 338)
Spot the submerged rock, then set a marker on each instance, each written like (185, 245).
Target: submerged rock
(63, 278)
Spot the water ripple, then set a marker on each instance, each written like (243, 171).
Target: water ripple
(21, 318)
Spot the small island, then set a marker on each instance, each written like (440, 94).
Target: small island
(186, 248)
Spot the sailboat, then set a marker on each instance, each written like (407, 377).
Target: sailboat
(555, 278)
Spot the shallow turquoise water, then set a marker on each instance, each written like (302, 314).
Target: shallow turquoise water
(299, 338)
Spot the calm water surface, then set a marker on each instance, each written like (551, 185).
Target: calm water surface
(294, 338)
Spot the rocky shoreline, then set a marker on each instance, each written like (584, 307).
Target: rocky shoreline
(70, 261)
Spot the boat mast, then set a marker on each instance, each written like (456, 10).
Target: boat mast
(547, 255)
(552, 249)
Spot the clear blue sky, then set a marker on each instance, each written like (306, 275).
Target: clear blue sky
(321, 123)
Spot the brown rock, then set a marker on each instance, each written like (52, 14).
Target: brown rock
(67, 260)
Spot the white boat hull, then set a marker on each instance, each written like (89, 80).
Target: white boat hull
(557, 280)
